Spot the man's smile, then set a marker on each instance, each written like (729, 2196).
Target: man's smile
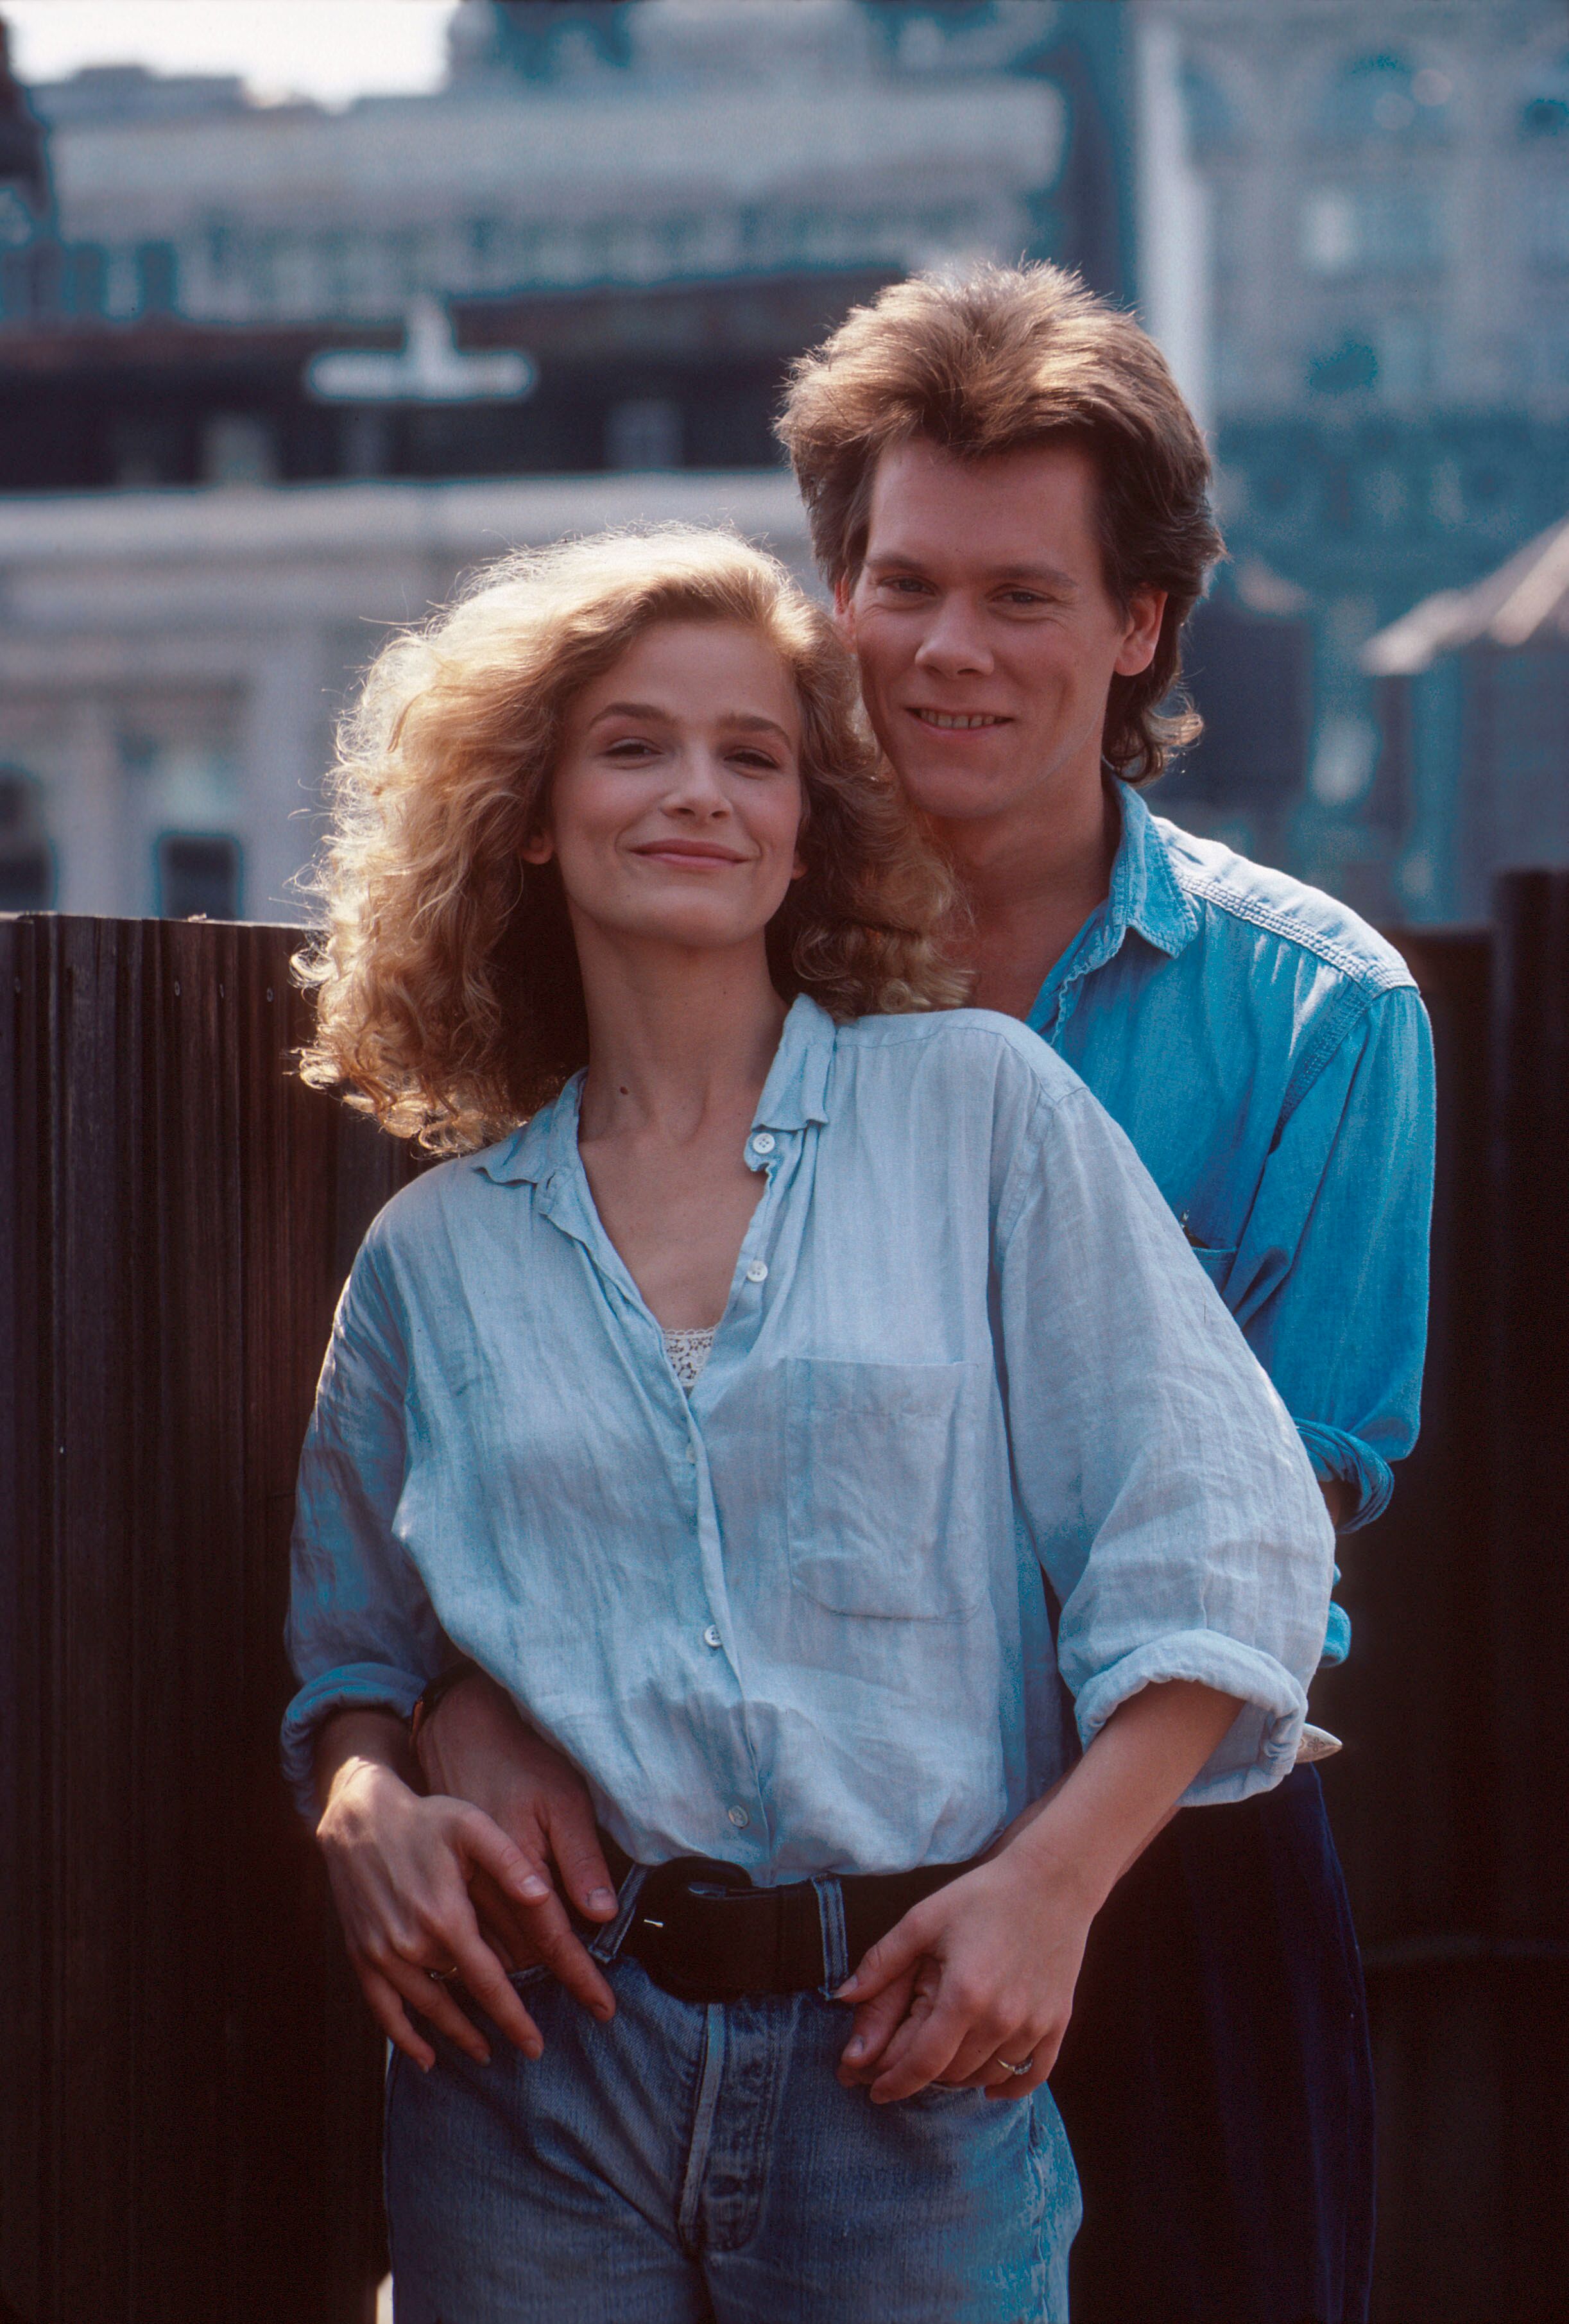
(959, 721)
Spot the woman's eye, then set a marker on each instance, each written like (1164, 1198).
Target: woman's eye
(754, 762)
(632, 747)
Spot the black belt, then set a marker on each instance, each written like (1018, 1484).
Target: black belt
(703, 1931)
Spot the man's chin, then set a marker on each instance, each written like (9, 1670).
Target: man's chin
(959, 795)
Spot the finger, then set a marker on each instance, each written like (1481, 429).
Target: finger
(387, 2009)
(501, 1919)
(919, 2052)
(556, 1942)
(873, 2026)
(888, 1958)
(579, 1859)
(1043, 2050)
(429, 1998)
(488, 1982)
(485, 1846)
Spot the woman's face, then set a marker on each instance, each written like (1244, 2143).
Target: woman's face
(677, 802)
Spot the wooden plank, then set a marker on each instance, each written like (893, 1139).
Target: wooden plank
(190, 2120)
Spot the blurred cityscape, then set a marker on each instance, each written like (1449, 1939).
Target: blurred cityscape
(271, 375)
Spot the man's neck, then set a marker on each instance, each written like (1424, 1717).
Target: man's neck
(1031, 877)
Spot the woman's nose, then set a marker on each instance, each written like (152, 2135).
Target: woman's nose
(698, 788)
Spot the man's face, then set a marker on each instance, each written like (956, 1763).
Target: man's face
(986, 636)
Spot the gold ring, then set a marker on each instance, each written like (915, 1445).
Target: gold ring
(440, 1975)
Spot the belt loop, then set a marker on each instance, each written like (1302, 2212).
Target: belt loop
(835, 1944)
(608, 1943)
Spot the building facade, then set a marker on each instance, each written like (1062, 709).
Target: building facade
(270, 375)
(1385, 281)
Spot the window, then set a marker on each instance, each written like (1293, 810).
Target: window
(26, 857)
(198, 875)
(238, 448)
(1393, 228)
(645, 433)
(1544, 111)
(1384, 96)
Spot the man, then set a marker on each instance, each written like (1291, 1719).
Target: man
(1008, 497)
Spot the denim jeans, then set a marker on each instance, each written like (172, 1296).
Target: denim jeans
(692, 2164)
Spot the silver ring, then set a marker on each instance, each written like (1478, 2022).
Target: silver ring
(1009, 2068)
(440, 1975)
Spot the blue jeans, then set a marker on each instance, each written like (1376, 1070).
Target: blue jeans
(687, 2165)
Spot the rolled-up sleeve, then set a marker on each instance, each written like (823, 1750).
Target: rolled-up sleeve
(361, 1632)
(1330, 1279)
(1196, 1545)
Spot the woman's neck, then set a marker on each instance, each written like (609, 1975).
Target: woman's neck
(676, 1036)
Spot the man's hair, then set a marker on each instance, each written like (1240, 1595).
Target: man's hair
(1001, 359)
(448, 1001)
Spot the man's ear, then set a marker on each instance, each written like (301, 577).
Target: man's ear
(845, 613)
(1146, 612)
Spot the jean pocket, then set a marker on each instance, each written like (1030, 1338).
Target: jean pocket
(880, 1506)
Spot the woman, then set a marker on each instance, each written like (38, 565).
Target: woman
(753, 1413)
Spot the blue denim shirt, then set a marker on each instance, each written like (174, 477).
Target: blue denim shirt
(801, 1619)
(1270, 1058)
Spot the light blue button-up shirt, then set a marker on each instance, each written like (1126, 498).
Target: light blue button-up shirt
(1269, 1057)
(970, 1389)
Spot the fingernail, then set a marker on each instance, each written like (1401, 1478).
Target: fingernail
(424, 2064)
(534, 1890)
(849, 1986)
(857, 2049)
(599, 1898)
(482, 2057)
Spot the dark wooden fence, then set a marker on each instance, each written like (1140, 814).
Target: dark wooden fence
(188, 2092)
(188, 2097)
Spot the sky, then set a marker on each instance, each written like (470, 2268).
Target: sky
(329, 50)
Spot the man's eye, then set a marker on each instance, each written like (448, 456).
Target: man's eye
(905, 584)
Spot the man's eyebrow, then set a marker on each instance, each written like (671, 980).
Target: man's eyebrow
(748, 722)
(1046, 576)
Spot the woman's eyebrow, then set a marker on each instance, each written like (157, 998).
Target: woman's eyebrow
(748, 722)
(632, 710)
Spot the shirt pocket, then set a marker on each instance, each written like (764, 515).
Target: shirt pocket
(1216, 1263)
(874, 1501)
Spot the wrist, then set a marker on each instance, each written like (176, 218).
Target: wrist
(1054, 1852)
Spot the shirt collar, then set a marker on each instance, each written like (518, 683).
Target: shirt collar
(1145, 893)
(794, 1094)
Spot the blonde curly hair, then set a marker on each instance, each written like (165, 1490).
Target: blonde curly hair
(448, 1001)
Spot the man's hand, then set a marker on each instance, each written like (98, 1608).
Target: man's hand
(979, 1978)
(475, 1747)
(400, 1868)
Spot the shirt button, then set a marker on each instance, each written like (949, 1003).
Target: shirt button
(739, 1818)
(764, 1143)
(711, 1636)
(757, 1272)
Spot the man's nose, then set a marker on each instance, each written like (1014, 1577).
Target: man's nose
(954, 644)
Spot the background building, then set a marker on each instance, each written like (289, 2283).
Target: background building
(594, 250)
(1385, 215)
(236, 337)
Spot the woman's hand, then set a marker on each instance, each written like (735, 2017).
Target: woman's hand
(475, 1747)
(981, 1973)
(979, 1978)
(399, 1868)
